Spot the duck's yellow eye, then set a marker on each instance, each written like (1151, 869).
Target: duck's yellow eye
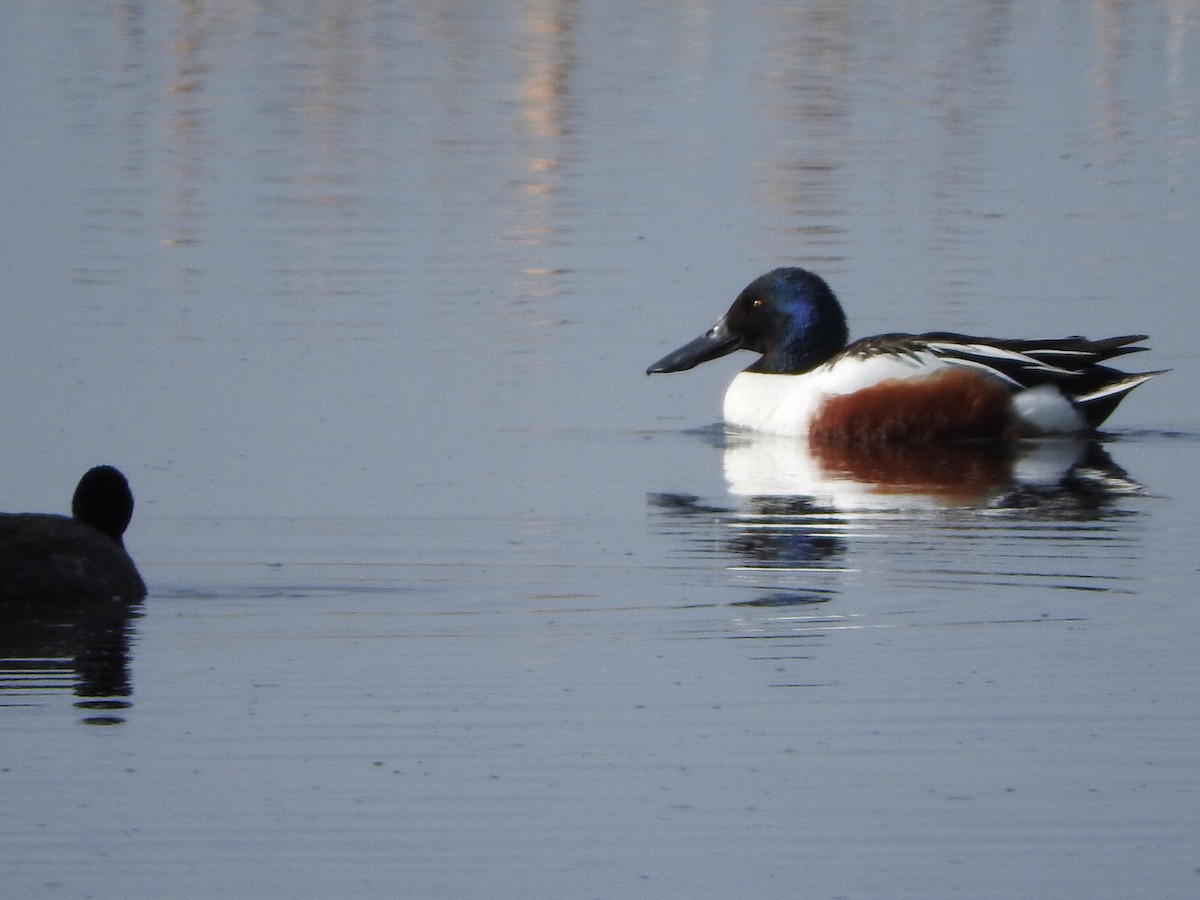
(757, 302)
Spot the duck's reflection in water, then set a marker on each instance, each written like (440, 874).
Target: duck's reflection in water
(755, 539)
(793, 509)
(780, 545)
(82, 648)
(1052, 476)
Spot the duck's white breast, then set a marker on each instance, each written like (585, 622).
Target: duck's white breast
(774, 404)
(785, 404)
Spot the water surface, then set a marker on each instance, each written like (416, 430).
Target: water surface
(446, 598)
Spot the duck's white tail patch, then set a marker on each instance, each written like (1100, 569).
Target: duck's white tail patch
(1045, 410)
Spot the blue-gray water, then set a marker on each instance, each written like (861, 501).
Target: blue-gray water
(447, 599)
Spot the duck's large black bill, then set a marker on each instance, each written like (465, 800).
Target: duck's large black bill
(714, 343)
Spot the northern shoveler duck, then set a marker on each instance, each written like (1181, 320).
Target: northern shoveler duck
(47, 558)
(896, 388)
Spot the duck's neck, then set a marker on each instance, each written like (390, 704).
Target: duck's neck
(805, 352)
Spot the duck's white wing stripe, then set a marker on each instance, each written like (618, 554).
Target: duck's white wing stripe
(991, 371)
(985, 352)
(982, 350)
(1059, 351)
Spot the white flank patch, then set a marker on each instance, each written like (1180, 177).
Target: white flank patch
(1047, 411)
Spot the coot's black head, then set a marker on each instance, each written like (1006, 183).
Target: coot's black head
(104, 501)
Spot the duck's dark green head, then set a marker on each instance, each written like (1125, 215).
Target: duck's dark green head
(788, 315)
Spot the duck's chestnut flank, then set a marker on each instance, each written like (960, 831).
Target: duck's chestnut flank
(952, 405)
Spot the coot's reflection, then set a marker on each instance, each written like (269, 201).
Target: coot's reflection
(83, 648)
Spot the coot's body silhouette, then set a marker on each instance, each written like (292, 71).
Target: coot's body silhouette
(52, 559)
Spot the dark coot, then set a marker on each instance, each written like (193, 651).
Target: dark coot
(46, 558)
